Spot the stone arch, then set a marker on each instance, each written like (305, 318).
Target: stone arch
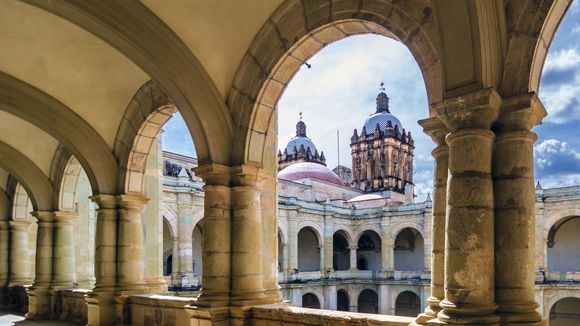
(530, 37)
(295, 32)
(309, 253)
(144, 118)
(561, 245)
(409, 250)
(368, 252)
(4, 206)
(21, 202)
(557, 217)
(170, 215)
(407, 303)
(45, 112)
(368, 301)
(348, 234)
(364, 228)
(315, 292)
(557, 297)
(135, 31)
(37, 185)
(341, 246)
(284, 233)
(401, 226)
(314, 226)
(68, 184)
(172, 231)
(342, 300)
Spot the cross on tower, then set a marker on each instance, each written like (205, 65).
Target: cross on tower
(300, 115)
(382, 88)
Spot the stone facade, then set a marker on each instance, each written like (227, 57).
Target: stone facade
(95, 81)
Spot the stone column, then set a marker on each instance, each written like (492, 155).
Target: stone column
(387, 247)
(247, 272)
(328, 245)
(4, 262)
(514, 200)
(216, 260)
(353, 258)
(292, 241)
(329, 298)
(39, 299)
(269, 212)
(130, 244)
(100, 302)
(469, 256)
(435, 128)
(184, 239)
(19, 268)
(64, 270)
(175, 262)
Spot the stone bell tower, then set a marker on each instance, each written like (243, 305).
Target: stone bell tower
(382, 154)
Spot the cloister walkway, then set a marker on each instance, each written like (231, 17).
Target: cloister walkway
(13, 319)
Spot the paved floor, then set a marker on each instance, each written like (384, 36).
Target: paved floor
(10, 318)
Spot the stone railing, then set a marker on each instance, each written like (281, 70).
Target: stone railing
(354, 274)
(152, 309)
(281, 314)
(562, 277)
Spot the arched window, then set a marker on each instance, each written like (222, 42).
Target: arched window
(369, 251)
(368, 302)
(308, 250)
(407, 304)
(342, 301)
(409, 251)
(565, 312)
(310, 300)
(340, 252)
(563, 244)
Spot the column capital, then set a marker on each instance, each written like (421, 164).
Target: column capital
(135, 202)
(19, 224)
(247, 175)
(435, 128)
(213, 174)
(64, 216)
(520, 112)
(43, 216)
(105, 201)
(475, 110)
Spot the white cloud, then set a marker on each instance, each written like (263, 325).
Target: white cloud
(562, 60)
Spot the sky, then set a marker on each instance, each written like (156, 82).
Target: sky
(338, 93)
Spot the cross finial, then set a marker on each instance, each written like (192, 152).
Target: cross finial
(300, 115)
(382, 88)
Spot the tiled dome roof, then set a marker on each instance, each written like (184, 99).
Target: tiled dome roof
(381, 118)
(305, 170)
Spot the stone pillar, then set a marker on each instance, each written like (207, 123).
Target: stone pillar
(387, 247)
(292, 241)
(247, 273)
(175, 261)
(39, 298)
(435, 128)
(327, 265)
(19, 268)
(100, 302)
(184, 239)
(4, 262)
(353, 258)
(64, 270)
(285, 261)
(130, 254)
(216, 260)
(269, 212)
(469, 252)
(514, 201)
(384, 300)
(329, 297)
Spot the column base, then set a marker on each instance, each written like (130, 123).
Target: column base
(101, 308)
(452, 314)
(39, 303)
(520, 314)
(430, 312)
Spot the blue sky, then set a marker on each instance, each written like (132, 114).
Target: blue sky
(338, 93)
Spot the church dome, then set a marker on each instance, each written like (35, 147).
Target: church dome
(382, 116)
(305, 170)
(382, 119)
(300, 139)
